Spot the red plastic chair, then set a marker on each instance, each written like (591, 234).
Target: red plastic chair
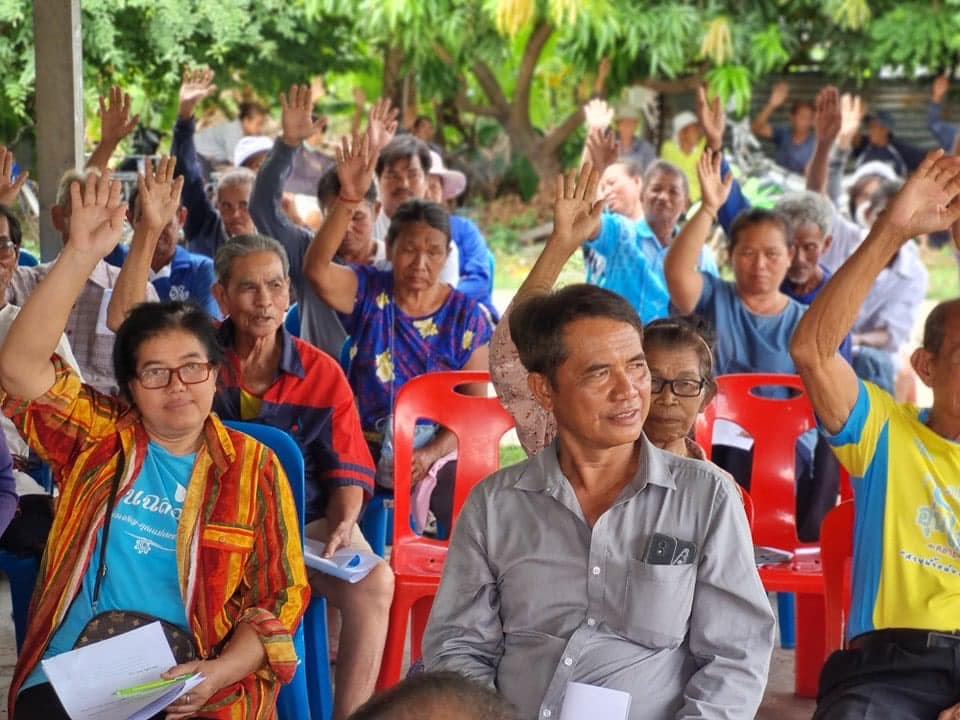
(836, 555)
(417, 562)
(748, 507)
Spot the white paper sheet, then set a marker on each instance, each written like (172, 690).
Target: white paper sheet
(347, 564)
(86, 679)
(589, 702)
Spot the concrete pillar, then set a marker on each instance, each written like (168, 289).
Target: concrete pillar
(59, 104)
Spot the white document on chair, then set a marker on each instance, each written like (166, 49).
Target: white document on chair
(587, 702)
(86, 679)
(346, 563)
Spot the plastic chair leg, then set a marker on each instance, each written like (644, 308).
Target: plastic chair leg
(419, 615)
(786, 616)
(319, 684)
(396, 639)
(376, 523)
(293, 702)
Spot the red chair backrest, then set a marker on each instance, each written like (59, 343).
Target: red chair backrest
(478, 422)
(775, 424)
(747, 505)
(836, 554)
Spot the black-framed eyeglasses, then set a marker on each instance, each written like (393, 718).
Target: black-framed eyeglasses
(191, 373)
(8, 249)
(680, 387)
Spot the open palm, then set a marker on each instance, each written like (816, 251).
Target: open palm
(297, 114)
(928, 201)
(576, 211)
(96, 214)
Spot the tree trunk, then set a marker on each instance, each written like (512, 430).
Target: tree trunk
(392, 84)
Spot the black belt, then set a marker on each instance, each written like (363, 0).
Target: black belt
(912, 640)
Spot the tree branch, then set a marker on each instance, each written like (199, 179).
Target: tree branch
(488, 83)
(491, 88)
(561, 132)
(528, 65)
(465, 105)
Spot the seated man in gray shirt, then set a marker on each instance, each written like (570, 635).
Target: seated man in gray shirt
(603, 560)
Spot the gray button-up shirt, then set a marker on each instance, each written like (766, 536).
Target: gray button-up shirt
(533, 598)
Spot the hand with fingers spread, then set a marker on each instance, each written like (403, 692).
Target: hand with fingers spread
(158, 195)
(930, 199)
(297, 115)
(115, 120)
(382, 126)
(828, 119)
(9, 188)
(598, 114)
(576, 210)
(96, 215)
(711, 117)
(602, 149)
(852, 111)
(714, 189)
(197, 85)
(355, 166)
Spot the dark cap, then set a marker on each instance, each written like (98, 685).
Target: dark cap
(885, 118)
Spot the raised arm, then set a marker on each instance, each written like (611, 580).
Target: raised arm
(926, 203)
(827, 124)
(598, 116)
(115, 125)
(576, 218)
(9, 188)
(96, 223)
(684, 280)
(944, 132)
(158, 199)
(761, 123)
(356, 160)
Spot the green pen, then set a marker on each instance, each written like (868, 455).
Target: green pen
(154, 685)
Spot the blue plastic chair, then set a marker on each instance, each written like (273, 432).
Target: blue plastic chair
(292, 321)
(376, 523)
(310, 694)
(27, 259)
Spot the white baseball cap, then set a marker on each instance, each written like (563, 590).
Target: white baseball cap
(249, 146)
(454, 181)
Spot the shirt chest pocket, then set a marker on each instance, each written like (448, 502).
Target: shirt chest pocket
(225, 550)
(657, 600)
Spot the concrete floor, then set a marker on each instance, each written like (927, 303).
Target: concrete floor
(778, 703)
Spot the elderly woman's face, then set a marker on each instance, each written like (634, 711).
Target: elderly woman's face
(180, 408)
(418, 254)
(673, 410)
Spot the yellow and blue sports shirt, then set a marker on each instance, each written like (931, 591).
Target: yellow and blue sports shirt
(906, 545)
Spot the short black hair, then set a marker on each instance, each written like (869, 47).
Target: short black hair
(418, 211)
(403, 147)
(146, 321)
(420, 120)
(935, 326)
(759, 216)
(328, 187)
(249, 108)
(668, 169)
(436, 695)
(537, 324)
(13, 222)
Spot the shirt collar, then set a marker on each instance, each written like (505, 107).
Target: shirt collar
(290, 361)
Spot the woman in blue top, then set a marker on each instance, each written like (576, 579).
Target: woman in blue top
(403, 322)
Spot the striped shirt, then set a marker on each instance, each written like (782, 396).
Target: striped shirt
(239, 556)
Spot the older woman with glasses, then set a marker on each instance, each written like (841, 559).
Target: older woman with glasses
(163, 511)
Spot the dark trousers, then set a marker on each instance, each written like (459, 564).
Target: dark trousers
(889, 681)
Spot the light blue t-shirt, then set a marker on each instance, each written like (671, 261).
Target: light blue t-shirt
(627, 258)
(141, 554)
(747, 342)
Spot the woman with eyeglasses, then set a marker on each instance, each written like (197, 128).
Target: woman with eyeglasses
(163, 511)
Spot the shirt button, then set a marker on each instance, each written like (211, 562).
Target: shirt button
(596, 570)
(568, 661)
(547, 713)
(591, 622)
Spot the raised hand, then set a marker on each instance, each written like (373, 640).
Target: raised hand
(576, 211)
(9, 188)
(158, 195)
(382, 126)
(711, 117)
(779, 94)
(115, 120)
(852, 111)
(96, 214)
(828, 119)
(197, 85)
(714, 191)
(930, 199)
(297, 115)
(941, 84)
(355, 165)
(602, 149)
(598, 113)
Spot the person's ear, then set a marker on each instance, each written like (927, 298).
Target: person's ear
(181, 216)
(220, 295)
(922, 361)
(542, 390)
(709, 392)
